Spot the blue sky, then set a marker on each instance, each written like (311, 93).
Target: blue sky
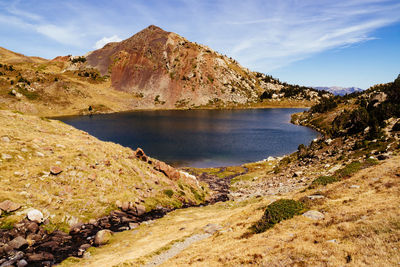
(307, 42)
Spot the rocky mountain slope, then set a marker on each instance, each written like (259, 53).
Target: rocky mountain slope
(153, 69)
(337, 90)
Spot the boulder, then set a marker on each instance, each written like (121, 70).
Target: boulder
(55, 170)
(169, 171)
(102, 237)
(314, 215)
(18, 243)
(9, 206)
(140, 210)
(35, 216)
(139, 154)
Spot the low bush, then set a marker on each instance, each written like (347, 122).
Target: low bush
(276, 212)
(323, 180)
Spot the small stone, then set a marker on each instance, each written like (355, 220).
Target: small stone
(102, 237)
(6, 156)
(312, 197)
(211, 228)
(9, 206)
(314, 215)
(22, 263)
(55, 170)
(32, 227)
(60, 146)
(39, 154)
(18, 242)
(355, 186)
(333, 241)
(5, 139)
(133, 225)
(35, 216)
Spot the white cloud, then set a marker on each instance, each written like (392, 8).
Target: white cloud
(62, 34)
(105, 40)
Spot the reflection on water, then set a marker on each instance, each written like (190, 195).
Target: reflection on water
(201, 138)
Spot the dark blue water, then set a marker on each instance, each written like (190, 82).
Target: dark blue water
(201, 138)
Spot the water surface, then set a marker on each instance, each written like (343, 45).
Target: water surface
(201, 138)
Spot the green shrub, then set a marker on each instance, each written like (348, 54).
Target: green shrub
(349, 169)
(169, 192)
(323, 180)
(276, 212)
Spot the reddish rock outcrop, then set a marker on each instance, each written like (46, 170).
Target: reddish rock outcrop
(164, 70)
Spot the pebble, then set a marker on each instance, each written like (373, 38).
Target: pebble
(355, 186)
(6, 156)
(314, 215)
(5, 139)
(39, 154)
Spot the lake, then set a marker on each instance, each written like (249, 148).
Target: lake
(201, 138)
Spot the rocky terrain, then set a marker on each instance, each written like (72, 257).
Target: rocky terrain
(153, 69)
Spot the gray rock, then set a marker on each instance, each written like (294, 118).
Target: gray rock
(314, 215)
(102, 237)
(18, 242)
(22, 263)
(35, 216)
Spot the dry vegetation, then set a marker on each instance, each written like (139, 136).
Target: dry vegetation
(361, 227)
(94, 175)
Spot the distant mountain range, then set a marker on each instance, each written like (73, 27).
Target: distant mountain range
(337, 90)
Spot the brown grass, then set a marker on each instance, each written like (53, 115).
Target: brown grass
(364, 222)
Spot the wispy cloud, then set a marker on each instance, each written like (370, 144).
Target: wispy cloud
(105, 40)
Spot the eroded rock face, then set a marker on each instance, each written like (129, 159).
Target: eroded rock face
(165, 70)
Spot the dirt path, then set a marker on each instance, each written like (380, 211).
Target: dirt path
(175, 249)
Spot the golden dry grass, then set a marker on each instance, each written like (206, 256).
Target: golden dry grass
(364, 222)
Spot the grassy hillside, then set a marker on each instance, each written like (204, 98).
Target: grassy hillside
(94, 174)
